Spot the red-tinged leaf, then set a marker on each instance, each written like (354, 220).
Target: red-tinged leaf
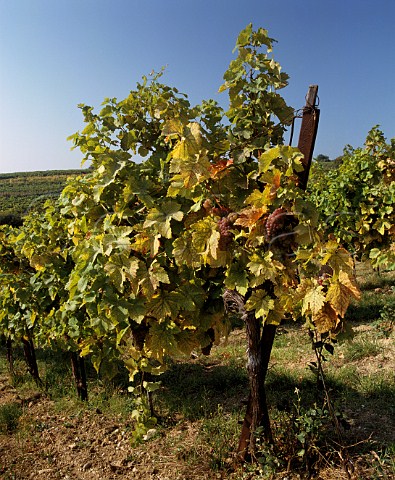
(250, 216)
(276, 183)
(219, 166)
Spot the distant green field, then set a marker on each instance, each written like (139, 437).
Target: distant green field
(22, 192)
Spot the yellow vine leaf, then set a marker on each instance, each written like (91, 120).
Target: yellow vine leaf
(258, 198)
(338, 296)
(173, 128)
(276, 314)
(236, 279)
(205, 238)
(349, 282)
(338, 258)
(326, 319)
(191, 170)
(313, 300)
(261, 302)
(184, 252)
(161, 217)
(161, 340)
(263, 268)
(266, 159)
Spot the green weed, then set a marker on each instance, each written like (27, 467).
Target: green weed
(9, 417)
(220, 430)
(385, 324)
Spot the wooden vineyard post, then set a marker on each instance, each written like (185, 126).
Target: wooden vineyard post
(260, 340)
(308, 133)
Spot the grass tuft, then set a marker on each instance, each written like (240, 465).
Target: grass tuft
(9, 417)
(362, 348)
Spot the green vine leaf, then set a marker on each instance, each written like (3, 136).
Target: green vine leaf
(160, 217)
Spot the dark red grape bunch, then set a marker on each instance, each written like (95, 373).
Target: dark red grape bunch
(275, 223)
(224, 227)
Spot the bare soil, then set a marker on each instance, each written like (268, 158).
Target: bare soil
(87, 446)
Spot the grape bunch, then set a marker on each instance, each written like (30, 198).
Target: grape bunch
(275, 223)
(224, 227)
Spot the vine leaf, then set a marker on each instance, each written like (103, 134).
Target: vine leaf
(161, 340)
(337, 257)
(190, 171)
(157, 275)
(38, 262)
(338, 296)
(350, 282)
(205, 238)
(116, 275)
(184, 252)
(263, 268)
(326, 319)
(313, 300)
(236, 279)
(261, 302)
(250, 216)
(161, 217)
(219, 167)
(168, 304)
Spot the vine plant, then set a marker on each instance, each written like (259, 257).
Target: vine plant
(18, 312)
(356, 199)
(189, 211)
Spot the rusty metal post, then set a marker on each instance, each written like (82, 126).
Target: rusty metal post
(308, 133)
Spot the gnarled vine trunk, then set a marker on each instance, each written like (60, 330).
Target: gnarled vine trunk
(10, 356)
(260, 341)
(31, 360)
(79, 374)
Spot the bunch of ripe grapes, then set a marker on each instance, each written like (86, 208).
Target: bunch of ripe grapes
(225, 223)
(224, 227)
(275, 223)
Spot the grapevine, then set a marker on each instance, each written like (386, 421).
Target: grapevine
(132, 261)
(356, 197)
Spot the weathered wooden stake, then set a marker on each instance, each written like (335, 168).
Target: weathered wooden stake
(308, 133)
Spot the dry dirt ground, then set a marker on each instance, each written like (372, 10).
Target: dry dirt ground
(51, 445)
(87, 445)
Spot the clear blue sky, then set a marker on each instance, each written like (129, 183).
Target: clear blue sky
(55, 54)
